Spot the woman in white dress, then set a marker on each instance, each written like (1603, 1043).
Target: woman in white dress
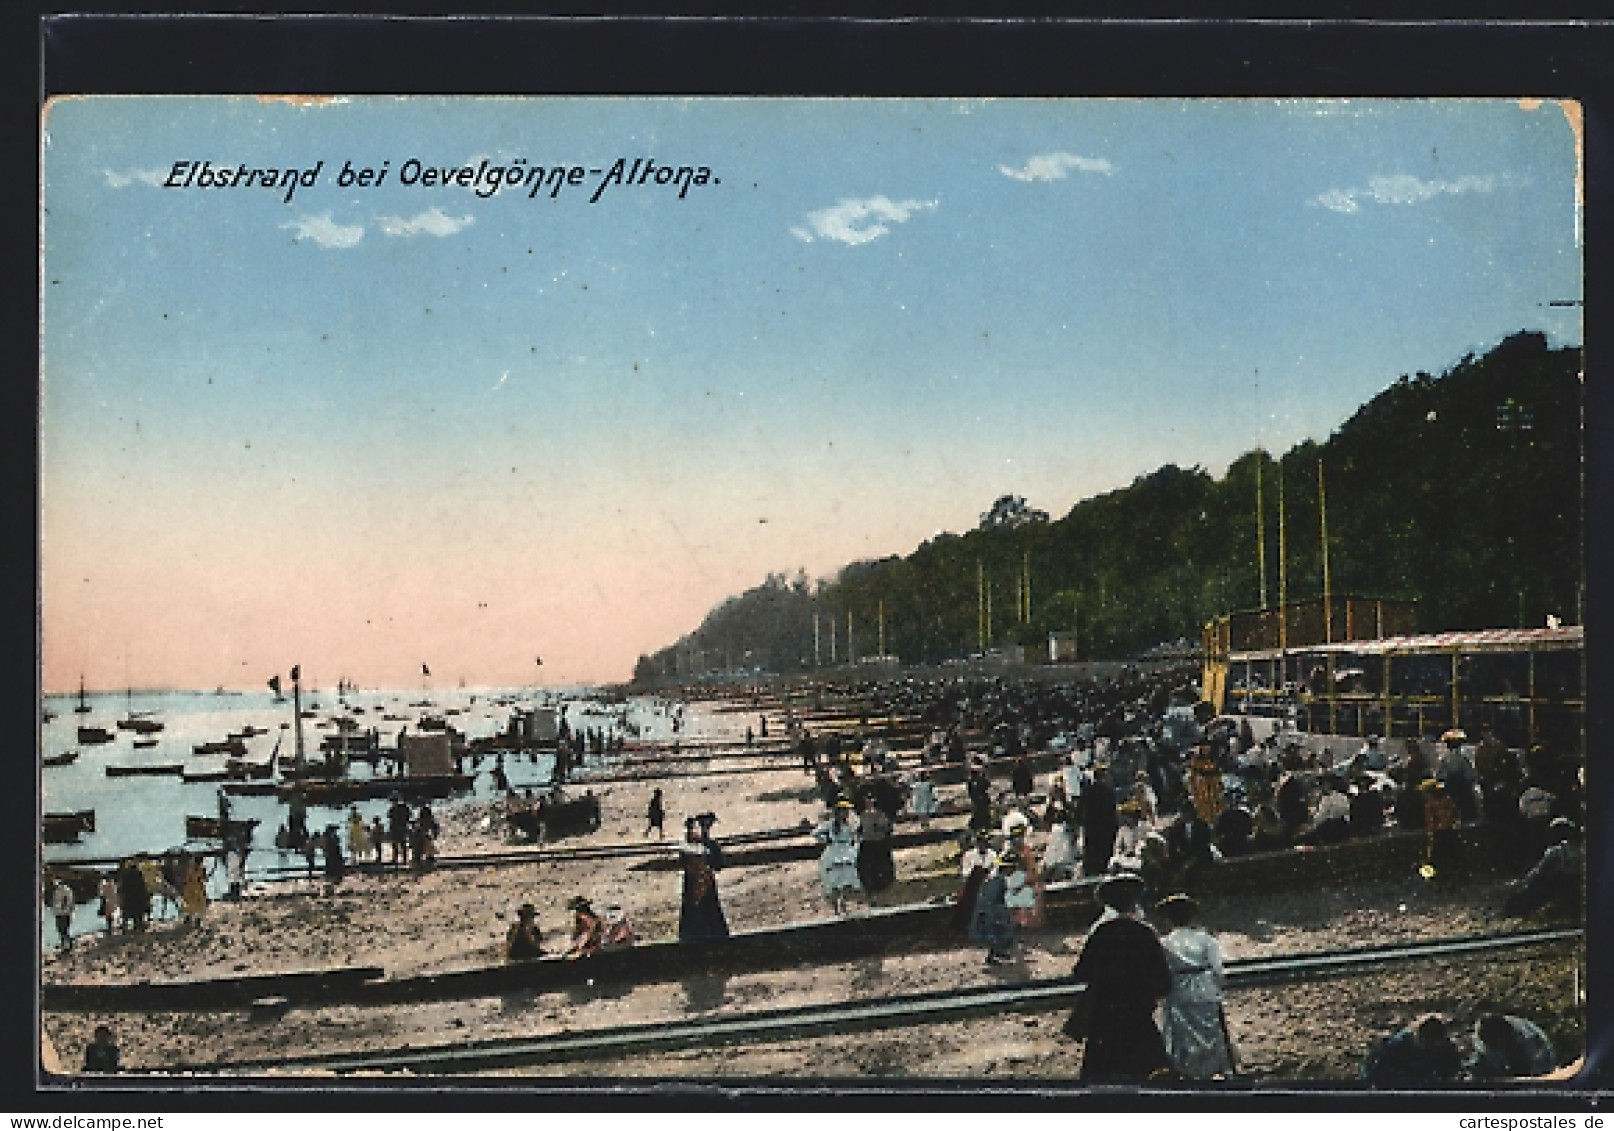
(1059, 857)
(837, 865)
(1193, 1024)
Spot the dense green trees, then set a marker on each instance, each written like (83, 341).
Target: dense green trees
(1461, 492)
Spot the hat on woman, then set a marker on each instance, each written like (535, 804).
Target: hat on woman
(579, 903)
(526, 911)
(1122, 890)
(1179, 909)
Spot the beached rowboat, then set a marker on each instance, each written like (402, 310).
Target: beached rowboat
(64, 828)
(203, 828)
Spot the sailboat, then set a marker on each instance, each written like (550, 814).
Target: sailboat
(89, 736)
(138, 723)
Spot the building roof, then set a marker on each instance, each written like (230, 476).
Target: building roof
(1563, 637)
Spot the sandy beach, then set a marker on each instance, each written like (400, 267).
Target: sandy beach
(410, 921)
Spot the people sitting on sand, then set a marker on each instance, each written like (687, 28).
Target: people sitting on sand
(523, 941)
(1268, 834)
(101, 1054)
(1365, 808)
(1330, 820)
(1128, 839)
(1509, 1047)
(588, 929)
(1417, 1056)
(618, 929)
(1555, 879)
(1234, 827)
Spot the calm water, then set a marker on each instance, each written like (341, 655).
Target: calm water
(147, 814)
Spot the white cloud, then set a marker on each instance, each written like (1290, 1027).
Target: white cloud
(432, 222)
(1055, 166)
(152, 177)
(1338, 200)
(858, 221)
(324, 231)
(1401, 188)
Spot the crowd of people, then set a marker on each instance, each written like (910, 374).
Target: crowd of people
(1128, 781)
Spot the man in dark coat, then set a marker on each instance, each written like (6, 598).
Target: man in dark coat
(1124, 968)
(398, 829)
(979, 788)
(1100, 823)
(1234, 828)
(1189, 840)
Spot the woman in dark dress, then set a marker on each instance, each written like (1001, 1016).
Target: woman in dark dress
(1100, 823)
(701, 916)
(875, 866)
(133, 896)
(1126, 974)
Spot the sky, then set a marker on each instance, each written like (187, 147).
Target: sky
(365, 427)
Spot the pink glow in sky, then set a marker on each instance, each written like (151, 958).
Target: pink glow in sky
(364, 429)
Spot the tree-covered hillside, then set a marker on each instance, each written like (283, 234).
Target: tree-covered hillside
(1461, 492)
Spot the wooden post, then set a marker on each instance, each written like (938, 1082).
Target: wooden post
(1328, 598)
(297, 715)
(1283, 568)
(1260, 526)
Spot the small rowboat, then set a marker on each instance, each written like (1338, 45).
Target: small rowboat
(64, 828)
(205, 828)
(174, 769)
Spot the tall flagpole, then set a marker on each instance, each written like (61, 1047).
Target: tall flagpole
(297, 714)
(1025, 589)
(1322, 513)
(1260, 525)
(980, 605)
(989, 614)
(1283, 567)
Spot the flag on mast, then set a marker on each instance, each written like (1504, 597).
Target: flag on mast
(424, 670)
